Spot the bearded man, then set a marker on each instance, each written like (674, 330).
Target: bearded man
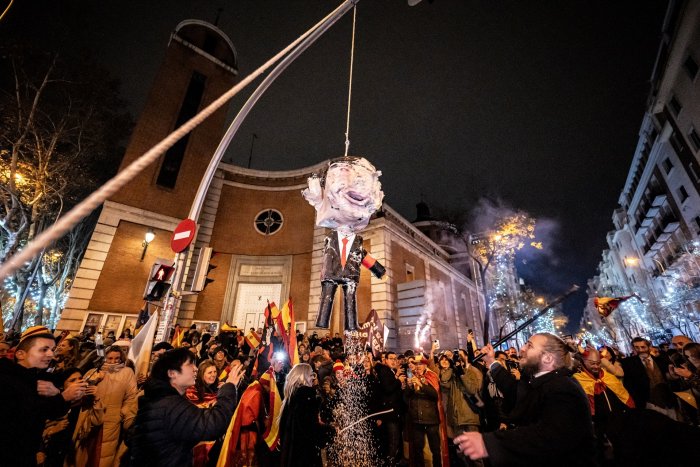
(551, 416)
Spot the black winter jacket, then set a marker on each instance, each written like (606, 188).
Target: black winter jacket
(422, 404)
(553, 425)
(391, 393)
(24, 413)
(168, 425)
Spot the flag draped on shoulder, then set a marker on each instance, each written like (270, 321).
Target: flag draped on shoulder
(272, 423)
(142, 345)
(606, 305)
(262, 392)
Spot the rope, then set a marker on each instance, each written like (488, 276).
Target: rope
(63, 225)
(2, 15)
(365, 418)
(352, 60)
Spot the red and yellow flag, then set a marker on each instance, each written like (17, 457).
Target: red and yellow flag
(253, 339)
(606, 305)
(176, 341)
(272, 423)
(290, 334)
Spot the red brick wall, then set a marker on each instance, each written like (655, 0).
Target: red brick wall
(124, 276)
(158, 120)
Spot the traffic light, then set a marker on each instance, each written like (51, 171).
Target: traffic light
(203, 268)
(158, 282)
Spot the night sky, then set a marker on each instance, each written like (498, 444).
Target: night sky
(537, 104)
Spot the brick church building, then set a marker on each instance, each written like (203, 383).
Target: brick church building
(262, 231)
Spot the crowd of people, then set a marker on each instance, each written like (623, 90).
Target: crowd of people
(228, 400)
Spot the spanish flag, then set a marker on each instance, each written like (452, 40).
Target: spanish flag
(291, 334)
(606, 305)
(247, 413)
(178, 335)
(272, 423)
(253, 339)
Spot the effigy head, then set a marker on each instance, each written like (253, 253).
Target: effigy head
(346, 195)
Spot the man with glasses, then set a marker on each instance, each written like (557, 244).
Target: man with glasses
(552, 418)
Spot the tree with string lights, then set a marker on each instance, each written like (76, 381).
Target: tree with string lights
(494, 253)
(61, 124)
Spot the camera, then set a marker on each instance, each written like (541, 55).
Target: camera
(511, 365)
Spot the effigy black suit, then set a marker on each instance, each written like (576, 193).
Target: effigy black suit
(334, 274)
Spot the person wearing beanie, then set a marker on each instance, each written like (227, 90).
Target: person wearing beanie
(28, 398)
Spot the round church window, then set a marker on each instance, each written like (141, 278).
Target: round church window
(268, 221)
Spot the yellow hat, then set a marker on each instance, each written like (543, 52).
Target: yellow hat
(36, 331)
(420, 359)
(228, 328)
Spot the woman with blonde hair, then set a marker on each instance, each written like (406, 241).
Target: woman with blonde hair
(300, 430)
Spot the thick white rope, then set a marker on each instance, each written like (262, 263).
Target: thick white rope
(352, 60)
(63, 225)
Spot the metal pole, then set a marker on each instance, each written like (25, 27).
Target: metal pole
(550, 305)
(171, 300)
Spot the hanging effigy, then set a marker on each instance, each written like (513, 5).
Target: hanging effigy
(345, 197)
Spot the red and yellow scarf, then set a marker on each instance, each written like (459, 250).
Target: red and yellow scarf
(593, 386)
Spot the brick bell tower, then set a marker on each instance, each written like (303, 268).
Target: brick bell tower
(200, 64)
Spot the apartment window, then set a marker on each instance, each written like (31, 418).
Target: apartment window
(410, 272)
(693, 172)
(675, 105)
(694, 138)
(697, 222)
(691, 67)
(667, 165)
(683, 193)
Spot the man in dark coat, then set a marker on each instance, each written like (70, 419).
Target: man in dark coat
(645, 379)
(392, 398)
(29, 398)
(552, 417)
(167, 424)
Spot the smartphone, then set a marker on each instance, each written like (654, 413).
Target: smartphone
(437, 343)
(409, 374)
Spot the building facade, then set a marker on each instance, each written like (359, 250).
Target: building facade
(653, 249)
(262, 232)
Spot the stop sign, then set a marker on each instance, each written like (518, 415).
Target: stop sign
(183, 235)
